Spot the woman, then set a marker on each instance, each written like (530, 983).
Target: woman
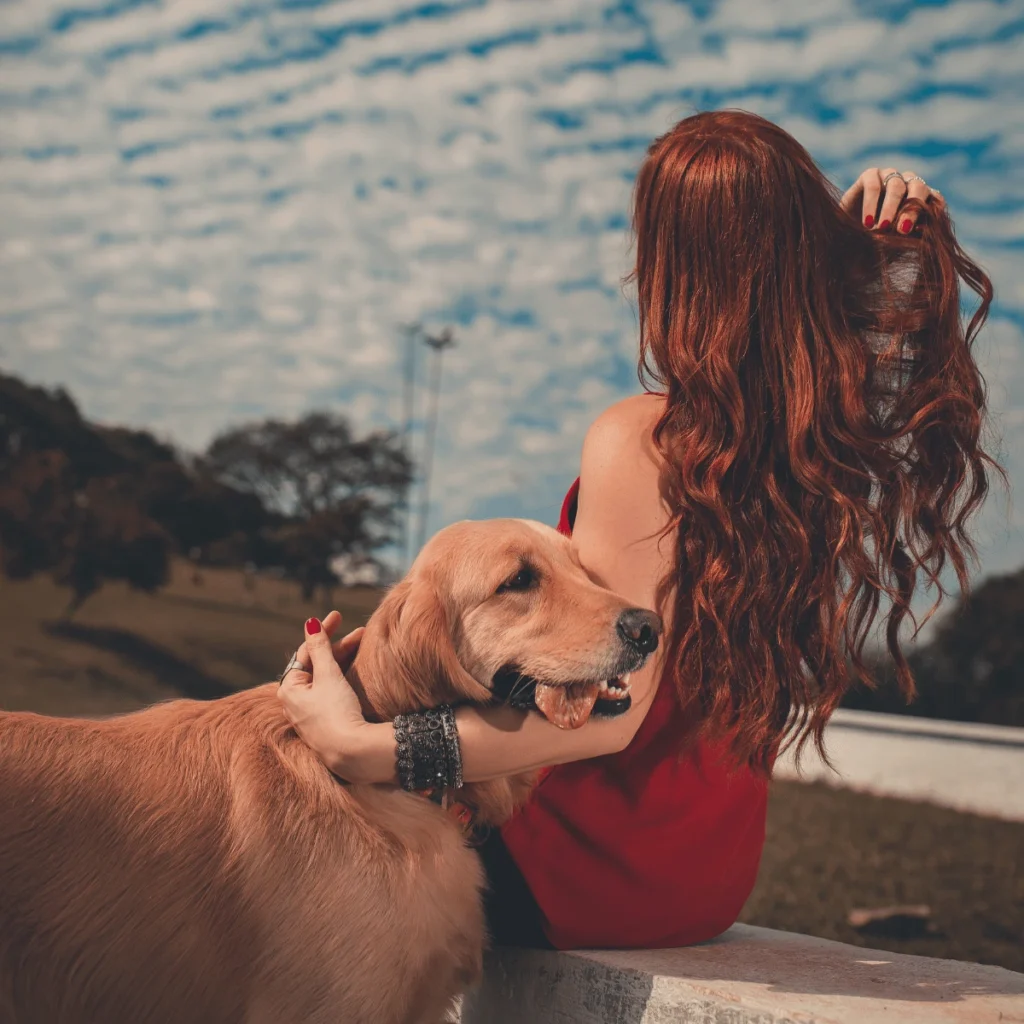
(810, 445)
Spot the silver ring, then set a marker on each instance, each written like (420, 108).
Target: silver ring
(916, 177)
(893, 174)
(294, 663)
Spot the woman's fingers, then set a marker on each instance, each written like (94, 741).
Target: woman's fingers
(850, 196)
(872, 193)
(916, 189)
(328, 716)
(895, 190)
(882, 194)
(868, 187)
(344, 650)
(321, 653)
(347, 647)
(302, 657)
(301, 676)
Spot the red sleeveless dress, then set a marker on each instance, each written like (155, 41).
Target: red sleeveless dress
(640, 849)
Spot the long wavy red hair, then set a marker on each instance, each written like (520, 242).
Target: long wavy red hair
(822, 430)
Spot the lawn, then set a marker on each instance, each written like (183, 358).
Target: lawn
(201, 636)
(828, 852)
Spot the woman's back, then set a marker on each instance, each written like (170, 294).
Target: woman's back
(643, 848)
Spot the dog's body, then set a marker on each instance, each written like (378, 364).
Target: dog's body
(197, 862)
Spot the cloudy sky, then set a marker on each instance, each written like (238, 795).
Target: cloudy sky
(215, 210)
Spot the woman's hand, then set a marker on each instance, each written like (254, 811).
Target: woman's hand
(322, 706)
(882, 194)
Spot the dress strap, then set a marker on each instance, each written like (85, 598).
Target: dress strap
(569, 506)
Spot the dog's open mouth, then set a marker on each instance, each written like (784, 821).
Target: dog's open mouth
(567, 705)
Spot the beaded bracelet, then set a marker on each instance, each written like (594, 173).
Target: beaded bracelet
(453, 748)
(429, 755)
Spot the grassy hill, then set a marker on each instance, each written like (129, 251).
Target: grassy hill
(198, 637)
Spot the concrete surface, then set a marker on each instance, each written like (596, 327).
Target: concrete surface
(977, 768)
(748, 976)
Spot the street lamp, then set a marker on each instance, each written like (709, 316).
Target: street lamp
(437, 342)
(411, 332)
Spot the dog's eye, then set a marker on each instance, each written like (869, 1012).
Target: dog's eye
(525, 579)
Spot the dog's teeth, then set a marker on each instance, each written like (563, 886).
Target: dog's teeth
(616, 688)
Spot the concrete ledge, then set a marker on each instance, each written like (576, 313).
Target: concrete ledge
(748, 976)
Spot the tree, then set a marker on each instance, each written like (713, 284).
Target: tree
(81, 535)
(340, 494)
(111, 538)
(174, 492)
(36, 509)
(196, 510)
(973, 668)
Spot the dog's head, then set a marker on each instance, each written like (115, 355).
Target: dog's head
(501, 610)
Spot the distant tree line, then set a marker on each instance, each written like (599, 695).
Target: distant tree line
(87, 503)
(972, 670)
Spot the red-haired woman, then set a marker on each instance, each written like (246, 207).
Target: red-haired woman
(809, 446)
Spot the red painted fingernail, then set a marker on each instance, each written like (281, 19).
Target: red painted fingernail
(312, 626)
(906, 226)
(868, 221)
(884, 225)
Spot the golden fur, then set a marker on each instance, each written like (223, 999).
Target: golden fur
(196, 862)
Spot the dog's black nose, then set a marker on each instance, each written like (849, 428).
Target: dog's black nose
(639, 629)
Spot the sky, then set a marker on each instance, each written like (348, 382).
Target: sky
(220, 210)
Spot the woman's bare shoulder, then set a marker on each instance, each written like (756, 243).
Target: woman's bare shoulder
(624, 431)
(621, 518)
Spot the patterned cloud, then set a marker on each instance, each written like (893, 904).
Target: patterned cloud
(223, 210)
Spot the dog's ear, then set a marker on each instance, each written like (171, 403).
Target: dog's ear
(407, 659)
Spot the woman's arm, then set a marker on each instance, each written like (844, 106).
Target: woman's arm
(496, 742)
(616, 537)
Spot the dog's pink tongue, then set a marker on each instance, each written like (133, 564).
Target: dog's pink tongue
(568, 707)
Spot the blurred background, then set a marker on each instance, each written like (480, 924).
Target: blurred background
(287, 285)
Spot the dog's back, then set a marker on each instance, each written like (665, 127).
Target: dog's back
(196, 862)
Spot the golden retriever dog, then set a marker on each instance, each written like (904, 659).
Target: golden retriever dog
(196, 862)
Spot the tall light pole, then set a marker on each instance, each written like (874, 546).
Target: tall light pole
(412, 332)
(438, 342)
